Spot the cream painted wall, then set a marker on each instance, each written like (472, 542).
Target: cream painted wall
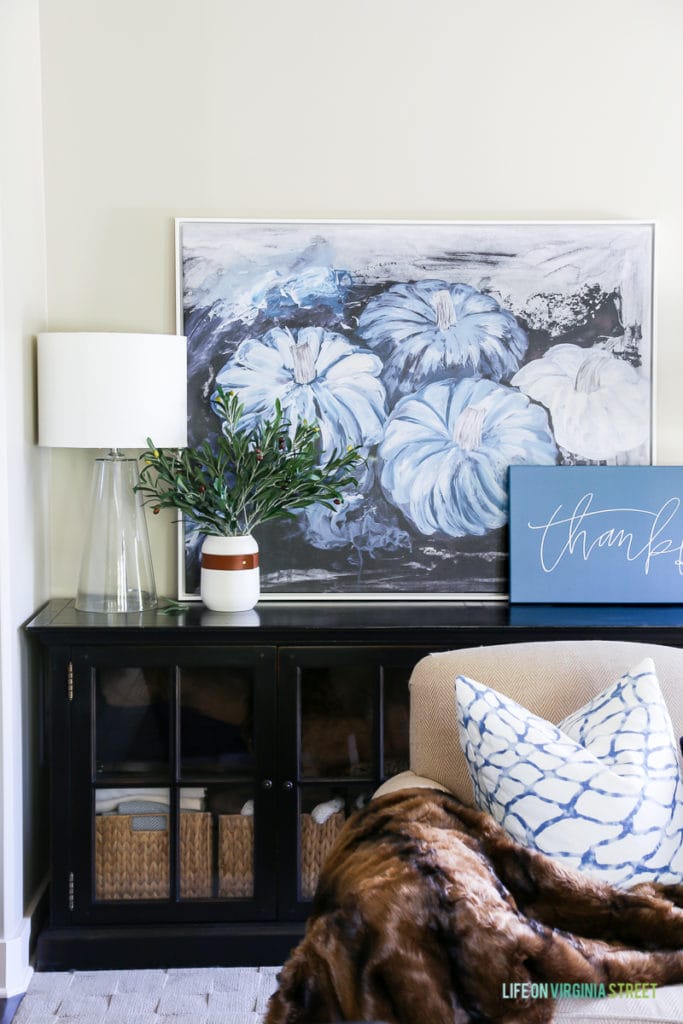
(24, 582)
(368, 108)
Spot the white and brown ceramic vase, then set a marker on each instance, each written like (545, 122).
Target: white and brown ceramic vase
(230, 580)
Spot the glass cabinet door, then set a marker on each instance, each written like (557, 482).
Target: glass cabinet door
(176, 783)
(217, 749)
(344, 724)
(131, 705)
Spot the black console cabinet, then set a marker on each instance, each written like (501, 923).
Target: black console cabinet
(202, 764)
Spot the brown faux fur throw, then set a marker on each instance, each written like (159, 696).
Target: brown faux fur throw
(428, 913)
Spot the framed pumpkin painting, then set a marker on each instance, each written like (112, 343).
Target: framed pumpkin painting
(448, 351)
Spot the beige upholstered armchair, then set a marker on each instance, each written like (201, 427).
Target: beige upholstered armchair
(552, 680)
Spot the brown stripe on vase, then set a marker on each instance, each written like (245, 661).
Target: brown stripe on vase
(230, 562)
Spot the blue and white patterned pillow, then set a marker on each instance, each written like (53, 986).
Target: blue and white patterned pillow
(601, 792)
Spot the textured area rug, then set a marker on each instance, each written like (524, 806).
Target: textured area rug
(238, 995)
(212, 995)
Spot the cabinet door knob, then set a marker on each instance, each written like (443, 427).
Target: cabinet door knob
(288, 785)
(267, 784)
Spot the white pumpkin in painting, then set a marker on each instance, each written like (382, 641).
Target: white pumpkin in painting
(599, 404)
(447, 449)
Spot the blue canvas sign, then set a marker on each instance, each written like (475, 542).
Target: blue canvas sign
(596, 534)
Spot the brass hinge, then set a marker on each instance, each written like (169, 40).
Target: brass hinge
(71, 891)
(70, 681)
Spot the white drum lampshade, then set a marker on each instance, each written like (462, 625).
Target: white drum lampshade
(113, 391)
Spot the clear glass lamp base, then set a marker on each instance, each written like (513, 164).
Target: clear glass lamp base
(116, 568)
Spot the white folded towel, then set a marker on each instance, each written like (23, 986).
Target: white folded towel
(321, 812)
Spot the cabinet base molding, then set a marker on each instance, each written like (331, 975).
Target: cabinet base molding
(130, 948)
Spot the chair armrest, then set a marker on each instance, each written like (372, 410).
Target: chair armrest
(407, 780)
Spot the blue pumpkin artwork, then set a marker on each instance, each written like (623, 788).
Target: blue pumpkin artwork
(448, 351)
(447, 448)
(317, 375)
(439, 329)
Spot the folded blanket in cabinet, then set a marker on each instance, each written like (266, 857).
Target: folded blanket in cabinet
(191, 798)
(143, 807)
(426, 910)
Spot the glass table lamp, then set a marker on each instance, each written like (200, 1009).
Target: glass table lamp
(113, 391)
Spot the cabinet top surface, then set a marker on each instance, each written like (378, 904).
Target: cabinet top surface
(295, 620)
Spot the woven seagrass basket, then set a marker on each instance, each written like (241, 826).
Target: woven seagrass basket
(134, 865)
(316, 842)
(236, 856)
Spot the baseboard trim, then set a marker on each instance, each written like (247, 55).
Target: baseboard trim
(15, 953)
(15, 970)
